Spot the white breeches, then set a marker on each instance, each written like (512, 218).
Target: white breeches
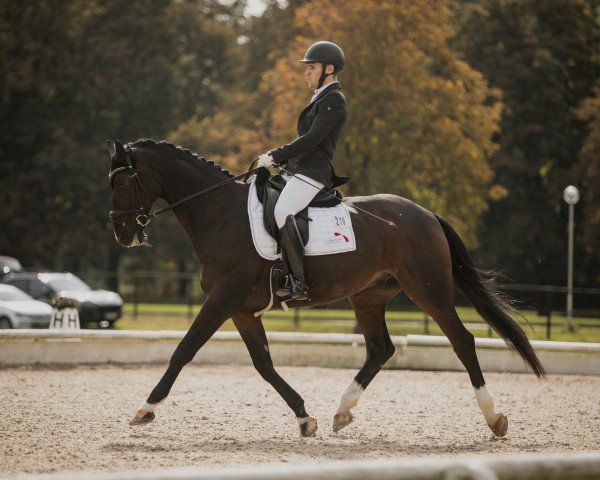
(297, 194)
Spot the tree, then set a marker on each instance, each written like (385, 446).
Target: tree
(234, 135)
(543, 56)
(421, 120)
(78, 73)
(588, 174)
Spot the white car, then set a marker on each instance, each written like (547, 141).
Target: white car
(99, 307)
(19, 310)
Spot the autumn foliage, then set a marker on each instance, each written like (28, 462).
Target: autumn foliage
(421, 120)
(481, 111)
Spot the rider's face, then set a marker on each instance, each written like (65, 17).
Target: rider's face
(312, 72)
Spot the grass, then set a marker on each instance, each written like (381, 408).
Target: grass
(179, 317)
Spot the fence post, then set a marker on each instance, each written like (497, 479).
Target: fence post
(190, 297)
(426, 323)
(296, 317)
(135, 297)
(548, 314)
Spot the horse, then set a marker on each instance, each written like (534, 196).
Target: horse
(413, 250)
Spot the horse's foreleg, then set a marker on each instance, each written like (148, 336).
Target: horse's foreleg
(370, 315)
(217, 308)
(253, 334)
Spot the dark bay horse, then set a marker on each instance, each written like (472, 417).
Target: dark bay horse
(416, 252)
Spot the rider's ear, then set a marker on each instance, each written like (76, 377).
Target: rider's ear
(112, 149)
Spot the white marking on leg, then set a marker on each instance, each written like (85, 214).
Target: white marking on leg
(149, 407)
(302, 421)
(486, 403)
(350, 397)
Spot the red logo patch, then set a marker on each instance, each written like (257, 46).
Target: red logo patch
(338, 234)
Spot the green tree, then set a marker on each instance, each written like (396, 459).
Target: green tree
(79, 73)
(588, 174)
(544, 58)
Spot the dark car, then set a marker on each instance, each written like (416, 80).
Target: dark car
(99, 307)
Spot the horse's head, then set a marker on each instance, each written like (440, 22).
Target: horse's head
(132, 197)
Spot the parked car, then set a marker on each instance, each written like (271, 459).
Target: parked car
(19, 310)
(9, 264)
(99, 307)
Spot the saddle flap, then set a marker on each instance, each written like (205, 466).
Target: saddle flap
(269, 187)
(330, 229)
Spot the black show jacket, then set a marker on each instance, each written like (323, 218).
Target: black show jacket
(319, 127)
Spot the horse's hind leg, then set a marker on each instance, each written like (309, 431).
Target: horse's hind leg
(252, 332)
(463, 344)
(435, 297)
(369, 307)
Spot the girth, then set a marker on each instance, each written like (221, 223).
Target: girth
(268, 189)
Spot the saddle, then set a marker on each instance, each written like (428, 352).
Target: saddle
(268, 189)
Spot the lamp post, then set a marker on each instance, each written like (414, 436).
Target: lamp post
(571, 196)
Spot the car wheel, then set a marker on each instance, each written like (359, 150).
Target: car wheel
(105, 324)
(5, 323)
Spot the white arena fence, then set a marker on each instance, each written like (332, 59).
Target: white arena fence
(576, 466)
(418, 352)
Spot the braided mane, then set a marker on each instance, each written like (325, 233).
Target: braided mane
(181, 152)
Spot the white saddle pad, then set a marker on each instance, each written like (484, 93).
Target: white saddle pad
(329, 232)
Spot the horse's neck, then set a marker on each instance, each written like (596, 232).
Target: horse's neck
(202, 217)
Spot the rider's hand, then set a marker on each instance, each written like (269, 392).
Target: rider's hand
(265, 160)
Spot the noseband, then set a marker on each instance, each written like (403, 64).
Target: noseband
(142, 219)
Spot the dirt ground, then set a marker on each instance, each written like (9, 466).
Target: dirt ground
(75, 419)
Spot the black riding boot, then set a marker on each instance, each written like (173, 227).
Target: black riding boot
(293, 254)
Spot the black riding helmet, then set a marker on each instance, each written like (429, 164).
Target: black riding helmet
(327, 53)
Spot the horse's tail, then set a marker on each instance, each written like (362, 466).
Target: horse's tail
(494, 306)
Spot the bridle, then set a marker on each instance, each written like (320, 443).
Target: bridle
(142, 219)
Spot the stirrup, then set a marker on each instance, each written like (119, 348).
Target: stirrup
(294, 289)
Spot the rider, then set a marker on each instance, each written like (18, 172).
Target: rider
(308, 159)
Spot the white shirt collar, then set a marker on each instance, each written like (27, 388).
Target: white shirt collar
(319, 90)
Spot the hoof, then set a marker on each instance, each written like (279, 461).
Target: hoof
(141, 417)
(501, 426)
(341, 420)
(308, 426)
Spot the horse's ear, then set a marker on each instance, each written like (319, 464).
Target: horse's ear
(112, 149)
(116, 149)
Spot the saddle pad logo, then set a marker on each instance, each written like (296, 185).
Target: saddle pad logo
(338, 234)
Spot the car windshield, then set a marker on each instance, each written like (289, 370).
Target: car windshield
(13, 295)
(70, 282)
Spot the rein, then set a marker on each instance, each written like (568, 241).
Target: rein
(143, 219)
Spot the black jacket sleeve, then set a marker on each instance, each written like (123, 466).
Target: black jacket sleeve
(329, 112)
